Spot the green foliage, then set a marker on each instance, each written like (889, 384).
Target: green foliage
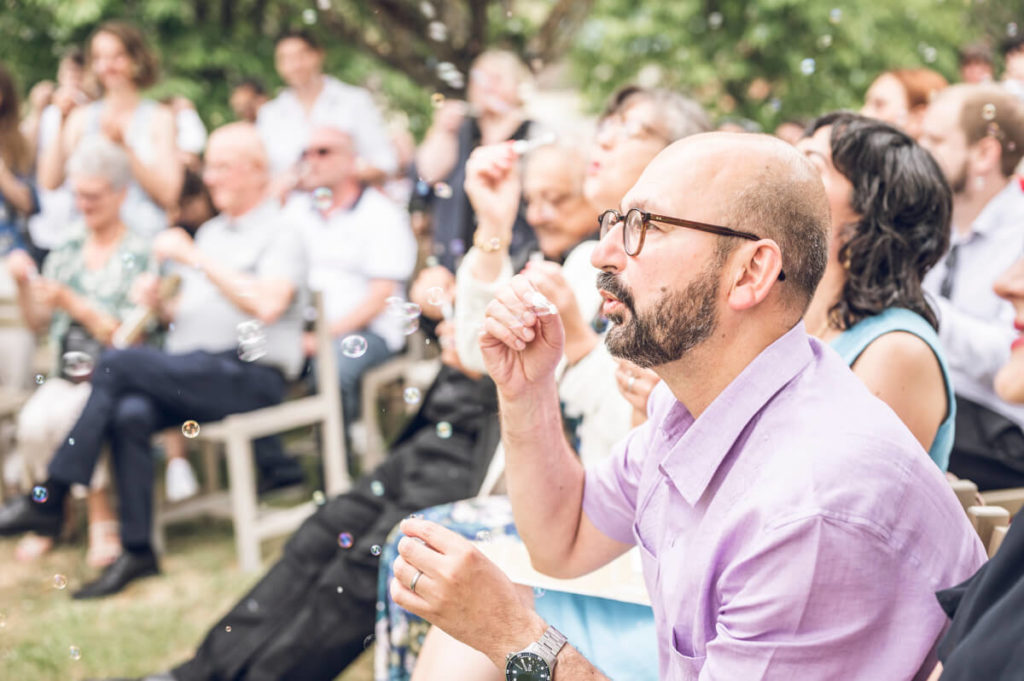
(772, 60)
(741, 58)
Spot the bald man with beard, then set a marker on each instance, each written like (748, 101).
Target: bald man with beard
(790, 526)
(243, 267)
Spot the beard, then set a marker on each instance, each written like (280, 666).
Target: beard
(680, 321)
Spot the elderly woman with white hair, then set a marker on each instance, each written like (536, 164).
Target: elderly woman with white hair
(80, 297)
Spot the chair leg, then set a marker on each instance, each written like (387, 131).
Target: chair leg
(336, 477)
(242, 480)
(211, 467)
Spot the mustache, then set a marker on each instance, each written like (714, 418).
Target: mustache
(611, 283)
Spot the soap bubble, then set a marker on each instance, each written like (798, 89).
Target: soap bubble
(457, 246)
(77, 364)
(411, 310)
(435, 295)
(40, 494)
(715, 20)
(368, 641)
(40, 379)
(437, 31)
(807, 66)
(444, 430)
(71, 441)
(318, 498)
(322, 199)
(190, 429)
(437, 100)
(988, 112)
(228, 628)
(375, 550)
(483, 536)
(411, 395)
(825, 41)
(75, 653)
(377, 488)
(835, 15)
(353, 346)
(309, 16)
(60, 582)
(323, 4)
(411, 325)
(427, 10)
(929, 53)
(538, 592)
(128, 261)
(341, 590)
(1011, 29)
(345, 540)
(442, 190)
(252, 605)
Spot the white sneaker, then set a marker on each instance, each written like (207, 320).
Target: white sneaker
(181, 480)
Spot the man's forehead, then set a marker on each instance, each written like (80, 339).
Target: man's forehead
(329, 135)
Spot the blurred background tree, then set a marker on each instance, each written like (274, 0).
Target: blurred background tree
(765, 60)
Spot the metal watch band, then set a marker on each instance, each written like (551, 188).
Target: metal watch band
(549, 645)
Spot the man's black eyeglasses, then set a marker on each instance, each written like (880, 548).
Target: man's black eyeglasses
(634, 229)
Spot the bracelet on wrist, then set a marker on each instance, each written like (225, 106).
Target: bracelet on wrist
(491, 245)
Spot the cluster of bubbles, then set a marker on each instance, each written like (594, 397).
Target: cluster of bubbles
(77, 364)
(408, 312)
(190, 429)
(252, 340)
(322, 199)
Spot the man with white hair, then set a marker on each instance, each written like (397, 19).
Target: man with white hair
(234, 343)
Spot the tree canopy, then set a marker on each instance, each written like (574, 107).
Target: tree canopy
(765, 60)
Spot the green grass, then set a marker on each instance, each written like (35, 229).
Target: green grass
(153, 625)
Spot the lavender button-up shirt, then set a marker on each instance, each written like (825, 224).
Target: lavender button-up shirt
(795, 530)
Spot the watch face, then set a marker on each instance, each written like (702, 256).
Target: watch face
(527, 667)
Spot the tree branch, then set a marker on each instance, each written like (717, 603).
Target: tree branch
(555, 34)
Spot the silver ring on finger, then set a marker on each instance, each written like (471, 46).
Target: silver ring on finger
(415, 581)
(630, 383)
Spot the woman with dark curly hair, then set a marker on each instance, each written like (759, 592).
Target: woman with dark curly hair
(890, 224)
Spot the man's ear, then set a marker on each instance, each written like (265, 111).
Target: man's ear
(987, 153)
(755, 269)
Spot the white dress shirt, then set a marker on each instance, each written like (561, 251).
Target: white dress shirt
(976, 325)
(284, 125)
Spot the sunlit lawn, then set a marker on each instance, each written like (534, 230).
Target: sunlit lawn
(153, 625)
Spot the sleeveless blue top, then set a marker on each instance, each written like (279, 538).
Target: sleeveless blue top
(852, 342)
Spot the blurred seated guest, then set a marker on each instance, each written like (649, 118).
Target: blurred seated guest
(191, 133)
(245, 269)
(976, 134)
(247, 98)
(311, 99)
(1013, 65)
(983, 640)
(47, 228)
(361, 252)
(791, 131)
(900, 97)
(81, 298)
(17, 195)
(890, 207)
(976, 64)
(123, 64)
(493, 113)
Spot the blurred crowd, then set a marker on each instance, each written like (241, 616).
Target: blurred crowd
(158, 276)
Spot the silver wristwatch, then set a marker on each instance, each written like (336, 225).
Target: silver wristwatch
(537, 661)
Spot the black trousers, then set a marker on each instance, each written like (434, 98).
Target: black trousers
(139, 391)
(310, 615)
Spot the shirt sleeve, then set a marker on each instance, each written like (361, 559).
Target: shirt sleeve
(817, 598)
(471, 299)
(610, 487)
(371, 135)
(391, 247)
(976, 347)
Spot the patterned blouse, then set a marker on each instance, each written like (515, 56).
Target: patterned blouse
(107, 288)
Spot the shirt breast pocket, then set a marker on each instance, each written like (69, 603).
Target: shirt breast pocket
(685, 664)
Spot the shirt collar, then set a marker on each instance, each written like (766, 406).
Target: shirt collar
(697, 450)
(1008, 202)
